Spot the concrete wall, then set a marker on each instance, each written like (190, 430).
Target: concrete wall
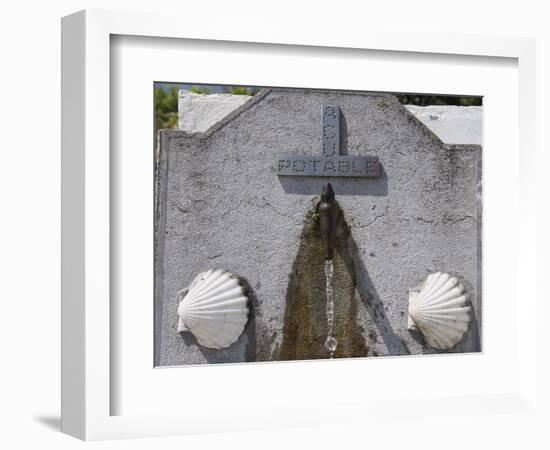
(198, 112)
(452, 124)
(222, 205)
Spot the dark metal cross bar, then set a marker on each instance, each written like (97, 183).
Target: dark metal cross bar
(330, 163)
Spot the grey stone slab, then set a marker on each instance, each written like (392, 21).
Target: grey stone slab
(452, 124)
(222, 205)
(198, 112)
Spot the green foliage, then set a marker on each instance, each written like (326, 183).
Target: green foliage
(242, 90)
(426, 100)
(166, 108)
(166, 101)
(199, 90)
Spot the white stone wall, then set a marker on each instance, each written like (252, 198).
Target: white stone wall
(452, 124)
(198, 112)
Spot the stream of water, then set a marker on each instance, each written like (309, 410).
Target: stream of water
(331, 342)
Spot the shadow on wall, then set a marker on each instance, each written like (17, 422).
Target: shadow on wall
(350, 254)
(376, 187)
(369, 296)
(305, 328)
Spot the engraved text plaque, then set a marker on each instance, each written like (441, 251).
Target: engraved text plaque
(330, 163)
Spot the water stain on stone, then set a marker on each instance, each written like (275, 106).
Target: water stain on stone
(305, 328)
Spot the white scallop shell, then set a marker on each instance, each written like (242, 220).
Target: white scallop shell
(213, 308)
(440, 310)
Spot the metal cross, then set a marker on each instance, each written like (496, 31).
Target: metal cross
(330, 163)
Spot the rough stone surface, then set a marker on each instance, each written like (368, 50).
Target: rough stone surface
(198, 112)
(221, 205)
(452, 124)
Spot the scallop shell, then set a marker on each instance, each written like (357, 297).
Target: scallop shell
(213, 308)
(439, 310)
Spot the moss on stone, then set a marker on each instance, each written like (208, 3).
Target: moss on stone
(305, 328)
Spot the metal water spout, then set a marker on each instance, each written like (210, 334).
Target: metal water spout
(328, 215)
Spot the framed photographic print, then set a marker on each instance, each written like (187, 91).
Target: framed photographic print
(268, 247)
(254, 268)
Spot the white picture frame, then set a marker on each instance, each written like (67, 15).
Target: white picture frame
(87, 355)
